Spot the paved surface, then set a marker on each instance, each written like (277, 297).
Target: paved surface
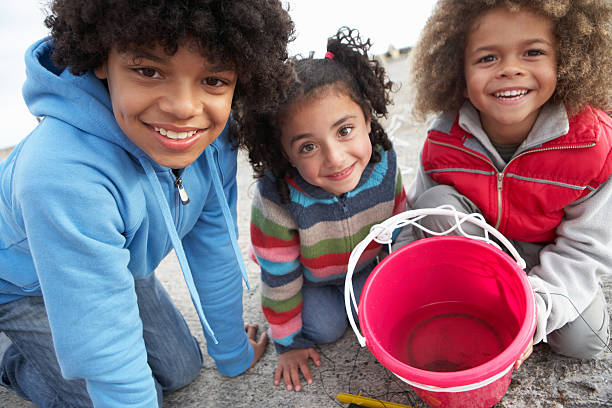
(545, 379)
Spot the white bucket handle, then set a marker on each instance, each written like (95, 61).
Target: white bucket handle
(382, 233)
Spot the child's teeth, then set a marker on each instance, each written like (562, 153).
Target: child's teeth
(510, 94)
(175, 135)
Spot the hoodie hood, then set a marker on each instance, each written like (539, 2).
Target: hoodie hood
(54, 92)
(50, 91)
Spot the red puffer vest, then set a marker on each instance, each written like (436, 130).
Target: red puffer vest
(525, 201)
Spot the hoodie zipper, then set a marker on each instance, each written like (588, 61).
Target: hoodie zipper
(500, 174)
(180, 188)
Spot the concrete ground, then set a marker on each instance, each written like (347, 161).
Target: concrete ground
(545, 380)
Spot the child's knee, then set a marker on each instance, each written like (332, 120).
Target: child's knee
(180, 378)
(584, 339)
(332, 334)
(445, 195)
(439, 195)
(181, 370)
(583, 349)
(328, 332)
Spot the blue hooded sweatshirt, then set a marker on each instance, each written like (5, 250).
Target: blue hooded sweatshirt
(84, 212)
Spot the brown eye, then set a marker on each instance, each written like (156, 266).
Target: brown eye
(344, 131)
(534, 53)
(147, 72)
(487, 58)
(212, 81)
(307, 148)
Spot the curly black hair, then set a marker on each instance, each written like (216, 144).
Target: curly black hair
(347, 69)
(251, 35)
(583, 29)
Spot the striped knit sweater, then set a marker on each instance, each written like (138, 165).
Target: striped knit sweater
(311, 237)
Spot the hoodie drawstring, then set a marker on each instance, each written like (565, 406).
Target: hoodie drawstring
(178, 246)
(226, 214)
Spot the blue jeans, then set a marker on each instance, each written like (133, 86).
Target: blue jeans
(30, 368)
(324, 313)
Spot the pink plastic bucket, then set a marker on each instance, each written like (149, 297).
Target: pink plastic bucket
(450, 316)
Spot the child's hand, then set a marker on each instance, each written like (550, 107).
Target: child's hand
(524, 356)
(258, 345)
(289, 365)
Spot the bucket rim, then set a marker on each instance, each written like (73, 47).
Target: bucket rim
(459, 388)
(462, 378)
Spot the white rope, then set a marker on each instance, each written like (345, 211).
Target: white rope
(548, 311)
(383, 234)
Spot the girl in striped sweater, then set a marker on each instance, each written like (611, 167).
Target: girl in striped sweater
(326, 173)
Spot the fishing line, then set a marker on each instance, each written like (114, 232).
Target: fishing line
(385, 395)
(605, 343)
(332, 369)
(406, 394)
(383, 234)
(353, 369)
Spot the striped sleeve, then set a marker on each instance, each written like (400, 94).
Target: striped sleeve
(276, 246)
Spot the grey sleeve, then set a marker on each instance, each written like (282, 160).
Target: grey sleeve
(571, 268)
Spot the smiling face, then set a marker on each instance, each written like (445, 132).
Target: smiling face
(326, 138)
(510, 71)
(172, 107)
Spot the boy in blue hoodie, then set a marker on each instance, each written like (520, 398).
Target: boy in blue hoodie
(135, 155)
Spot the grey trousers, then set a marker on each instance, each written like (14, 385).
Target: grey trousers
(583, 338)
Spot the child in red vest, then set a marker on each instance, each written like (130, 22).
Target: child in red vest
(523, 139)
